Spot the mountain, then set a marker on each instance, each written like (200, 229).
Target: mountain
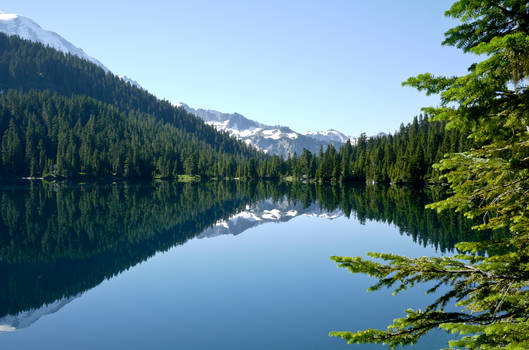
(276, 140)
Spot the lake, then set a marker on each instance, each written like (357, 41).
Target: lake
(215, 265)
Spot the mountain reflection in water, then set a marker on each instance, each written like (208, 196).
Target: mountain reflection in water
(58, 240)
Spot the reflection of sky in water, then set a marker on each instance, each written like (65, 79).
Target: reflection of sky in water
(273, 287)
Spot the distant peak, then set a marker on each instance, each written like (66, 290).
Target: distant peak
(7, 16)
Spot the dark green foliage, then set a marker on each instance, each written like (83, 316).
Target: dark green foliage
(51, 135)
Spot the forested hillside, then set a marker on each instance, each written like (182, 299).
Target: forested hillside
(83, 120)
(64, 116)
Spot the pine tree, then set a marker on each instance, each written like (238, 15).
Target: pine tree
(489, 181)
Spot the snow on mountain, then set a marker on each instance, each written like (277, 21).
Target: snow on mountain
(331, 135)
(280, 140)
(267, 211)
(26, 28)
(12, 24)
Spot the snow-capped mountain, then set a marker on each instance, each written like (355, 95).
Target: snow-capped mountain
(267, 211)
(280, 140)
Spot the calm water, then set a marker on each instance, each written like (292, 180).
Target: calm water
(205, 266)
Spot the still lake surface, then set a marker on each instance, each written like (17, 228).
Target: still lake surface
(206, 266)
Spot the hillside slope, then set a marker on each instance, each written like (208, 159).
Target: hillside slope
(191, 147)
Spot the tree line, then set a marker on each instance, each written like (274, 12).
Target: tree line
(404, 157)
(45, 134)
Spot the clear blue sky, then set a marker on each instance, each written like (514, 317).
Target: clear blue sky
(311, 65)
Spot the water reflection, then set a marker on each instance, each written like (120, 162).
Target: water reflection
(59, 240)
(25, 319)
